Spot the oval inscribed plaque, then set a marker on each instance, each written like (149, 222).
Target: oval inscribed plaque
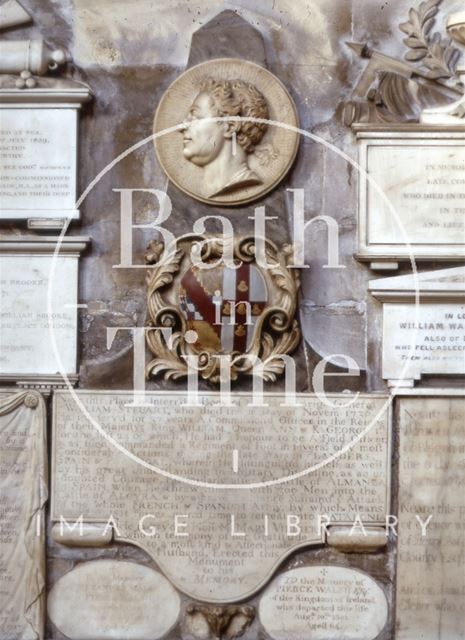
(323, 603)
(113, 600)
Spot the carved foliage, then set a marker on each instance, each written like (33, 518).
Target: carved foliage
(392, 91)
(436, 54)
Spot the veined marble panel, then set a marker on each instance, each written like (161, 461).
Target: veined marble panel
(431, 546)
(23, 494)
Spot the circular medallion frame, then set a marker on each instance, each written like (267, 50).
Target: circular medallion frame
(241, 93)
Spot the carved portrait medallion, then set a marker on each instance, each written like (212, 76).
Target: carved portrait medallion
(234, 134)
(239, 309)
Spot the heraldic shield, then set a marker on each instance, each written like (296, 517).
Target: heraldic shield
(211, 297)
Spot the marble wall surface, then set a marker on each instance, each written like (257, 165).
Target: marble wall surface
(129, 53)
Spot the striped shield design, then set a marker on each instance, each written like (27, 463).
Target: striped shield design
(222, 305)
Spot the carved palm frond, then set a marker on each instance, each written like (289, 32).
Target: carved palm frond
(442, 58)
(438, 56)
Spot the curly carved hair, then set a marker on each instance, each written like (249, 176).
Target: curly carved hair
(239, 98)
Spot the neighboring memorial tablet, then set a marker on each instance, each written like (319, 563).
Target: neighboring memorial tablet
(411, 194)
(38, 158)
(23, 473)
(108, 599)
(423, 324)
(321, 602)
(38, 130)
(217, 495)
(31, 276)
(431, 546)
(38, 149)
(236, 132)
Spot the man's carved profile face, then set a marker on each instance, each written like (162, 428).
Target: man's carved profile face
(203, 139)
(238, 129)
(206, 141)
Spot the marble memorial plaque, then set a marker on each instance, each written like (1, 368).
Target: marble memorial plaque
(111, 599)
(26, 320)
(323, 602)
(430, 573)
(217, 495)
(23, 484)
(38, 160)
(432, 343)
(425, 338)
(421, 174)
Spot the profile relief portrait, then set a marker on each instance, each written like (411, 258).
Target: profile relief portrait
(222, 148)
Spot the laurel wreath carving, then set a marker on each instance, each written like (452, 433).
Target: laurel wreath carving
(276, 333)
(437, 55)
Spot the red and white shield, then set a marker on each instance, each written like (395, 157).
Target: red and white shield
(222, 305)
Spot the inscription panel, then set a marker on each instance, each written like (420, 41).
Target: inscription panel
(414, 197)
(430, 575)
(38, 150)
(25, 323)
(427, 339)
(221, 518)
(111, 599)
(321, 602)
(426, 186)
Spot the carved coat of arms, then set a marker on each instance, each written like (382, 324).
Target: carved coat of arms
(216, 306)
